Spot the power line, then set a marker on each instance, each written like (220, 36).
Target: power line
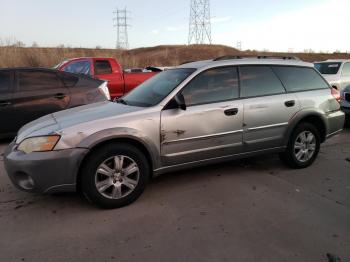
(200, 26)
(120, 20)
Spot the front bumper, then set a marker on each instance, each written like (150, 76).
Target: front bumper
(44, 172)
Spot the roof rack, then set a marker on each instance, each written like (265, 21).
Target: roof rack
(229, 57)
(187, 62)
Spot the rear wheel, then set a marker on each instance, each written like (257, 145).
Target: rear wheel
(303, 146)
(115, 175)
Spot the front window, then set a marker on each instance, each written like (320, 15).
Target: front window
(211, 86)
(155, 89)
(79, 67)
(329, 68)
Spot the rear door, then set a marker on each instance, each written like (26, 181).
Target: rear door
(211, 126)
(6, 102)
(38, 93)
(267, 108)
(104, 70)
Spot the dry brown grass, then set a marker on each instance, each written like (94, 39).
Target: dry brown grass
(167, 55)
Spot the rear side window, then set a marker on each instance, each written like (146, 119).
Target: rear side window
(259, 81)
(300, 78)
(346, 69)
(214, 85)
(79, 67)
(102, 67)
(36, 80)
(5, 81)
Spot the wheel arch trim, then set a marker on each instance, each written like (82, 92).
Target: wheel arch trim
(303, 115)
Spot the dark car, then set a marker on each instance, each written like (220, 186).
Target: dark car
(27, 94)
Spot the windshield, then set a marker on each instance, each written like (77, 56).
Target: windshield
(155, 89)
(329, 68)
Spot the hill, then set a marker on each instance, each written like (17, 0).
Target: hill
(165, 55)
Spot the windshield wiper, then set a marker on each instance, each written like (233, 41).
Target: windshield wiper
(120, 101)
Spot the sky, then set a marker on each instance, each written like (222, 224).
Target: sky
(297, 25)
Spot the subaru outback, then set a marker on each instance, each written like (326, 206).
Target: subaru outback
(196, 114)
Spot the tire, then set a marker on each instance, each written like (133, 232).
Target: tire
(305, 156)
(119, 170)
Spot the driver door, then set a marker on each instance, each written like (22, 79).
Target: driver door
(211, 126)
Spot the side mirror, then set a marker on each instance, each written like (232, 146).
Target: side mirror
(180, 101)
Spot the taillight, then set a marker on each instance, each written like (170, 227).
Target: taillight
(335, 94)
(103, 88)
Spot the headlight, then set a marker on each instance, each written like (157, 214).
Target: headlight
(38, 144)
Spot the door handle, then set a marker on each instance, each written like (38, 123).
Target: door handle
(289, 103)
(4, 103)
(59, 96)
(231, 112)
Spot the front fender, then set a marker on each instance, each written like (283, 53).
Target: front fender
(119, 133)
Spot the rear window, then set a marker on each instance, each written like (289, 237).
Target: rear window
(102, 67)
(300, 78)
(259, 81)
(328, 68)
(5, 81)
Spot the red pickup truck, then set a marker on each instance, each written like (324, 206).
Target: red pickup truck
(108, 69)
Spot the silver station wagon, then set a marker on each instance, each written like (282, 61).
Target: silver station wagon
(198, 113)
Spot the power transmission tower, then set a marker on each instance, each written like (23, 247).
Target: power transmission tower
(239, 45)
(200, 26)
(120, 20)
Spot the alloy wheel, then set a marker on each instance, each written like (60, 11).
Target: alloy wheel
(117, 177)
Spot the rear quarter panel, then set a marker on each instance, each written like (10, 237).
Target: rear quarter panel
(322, 104)
(86, 92)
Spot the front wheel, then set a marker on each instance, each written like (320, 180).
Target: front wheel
(115, 175)
(303, 146)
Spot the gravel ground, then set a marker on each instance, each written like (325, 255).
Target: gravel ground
(249, 210)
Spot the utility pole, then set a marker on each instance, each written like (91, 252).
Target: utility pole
(120, 21)
(200, 25)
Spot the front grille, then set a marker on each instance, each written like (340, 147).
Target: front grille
(347, 96)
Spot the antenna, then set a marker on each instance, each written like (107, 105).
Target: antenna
(200, 26)
(120, 22)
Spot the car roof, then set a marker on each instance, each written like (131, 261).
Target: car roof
(28, 68)
(334, 60)
(50, 70)
(245, 61)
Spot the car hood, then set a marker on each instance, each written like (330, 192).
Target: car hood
(57, 121)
